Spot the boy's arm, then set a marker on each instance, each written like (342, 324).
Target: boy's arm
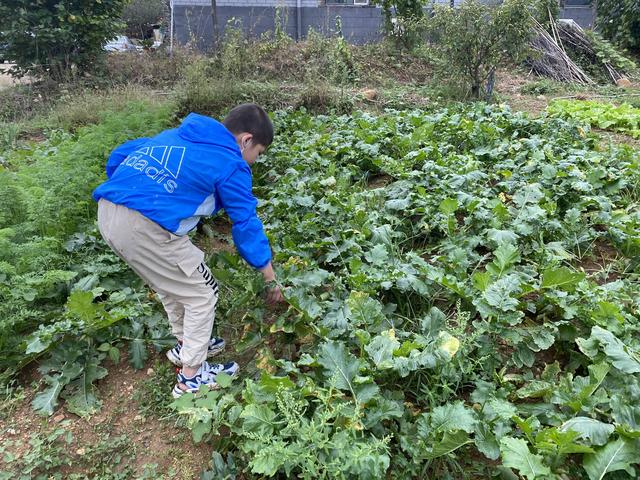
(248, 234)
(122, 152)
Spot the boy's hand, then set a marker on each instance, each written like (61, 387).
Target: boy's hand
(274, 294)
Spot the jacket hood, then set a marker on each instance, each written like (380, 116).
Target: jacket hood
(202, 129)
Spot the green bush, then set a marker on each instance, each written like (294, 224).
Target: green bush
(402, 20)
(57, 39)
(619, 21)
(473, 40)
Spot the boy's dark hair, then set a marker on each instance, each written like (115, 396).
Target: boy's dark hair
(250, 118)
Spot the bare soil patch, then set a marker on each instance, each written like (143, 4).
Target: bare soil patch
(133, 441)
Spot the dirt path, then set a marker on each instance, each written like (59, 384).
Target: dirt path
(133, 436)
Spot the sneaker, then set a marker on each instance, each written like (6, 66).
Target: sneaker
(205, 376)
(216, 345)
(230, 368)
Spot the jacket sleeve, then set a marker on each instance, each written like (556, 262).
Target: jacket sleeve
(248, 234)
(122, 152)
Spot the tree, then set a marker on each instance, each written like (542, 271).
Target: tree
(57, 37)
(619, 21)
(470, 42)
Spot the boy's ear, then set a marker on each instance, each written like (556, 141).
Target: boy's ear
(243, 137)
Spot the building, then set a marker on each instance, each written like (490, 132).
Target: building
(583, 12)
(361, 22)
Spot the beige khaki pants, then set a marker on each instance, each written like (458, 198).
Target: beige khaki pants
(173, 267)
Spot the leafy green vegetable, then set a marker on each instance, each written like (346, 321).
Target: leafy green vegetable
(617, 455)
(622, 118)
(516, 454)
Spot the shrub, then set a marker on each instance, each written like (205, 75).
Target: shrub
(57, 38)
(619, 21)
(473, 40)
(402, 20)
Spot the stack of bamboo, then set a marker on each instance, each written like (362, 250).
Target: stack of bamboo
(551, 59)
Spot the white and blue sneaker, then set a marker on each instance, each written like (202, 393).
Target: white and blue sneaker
(216, 345)
(205, 376)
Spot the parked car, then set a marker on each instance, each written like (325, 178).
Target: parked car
(122, 43)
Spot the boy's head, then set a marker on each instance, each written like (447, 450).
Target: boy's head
(252, 128)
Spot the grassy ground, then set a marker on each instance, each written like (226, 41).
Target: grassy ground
(136, 435)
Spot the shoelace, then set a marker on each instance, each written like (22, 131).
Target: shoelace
(206, 374)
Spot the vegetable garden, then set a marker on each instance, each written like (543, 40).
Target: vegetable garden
(462, 294)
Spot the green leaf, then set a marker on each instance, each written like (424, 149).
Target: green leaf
(200, 428)
(562, 277)
(534, 389)
(556, 442)
(448, 206)
(378, 255)
(137, 353)
(46, 401)
(224, 380)
(81, 304)
(505, 256)
(481, 280)
(366, 392)
(617, 455)
(453, 416)
(516, 454)
(36, 345)
(309, 279)
(272, 383)
(114, 355)
(381, 349)
(621, 356)
(502, 236)
(265, 463)
(81, 395)
(339, 364)
(87, 283)
(406, 348)
(450, 442)
(364, 310)
(498, 294)
(258, 419)
(486, 441)
(597, 432)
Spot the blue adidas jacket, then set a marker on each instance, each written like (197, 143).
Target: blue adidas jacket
(184, 174)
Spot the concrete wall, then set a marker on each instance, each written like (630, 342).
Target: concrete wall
(585, 16)
(360, 24)
(249, 3)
